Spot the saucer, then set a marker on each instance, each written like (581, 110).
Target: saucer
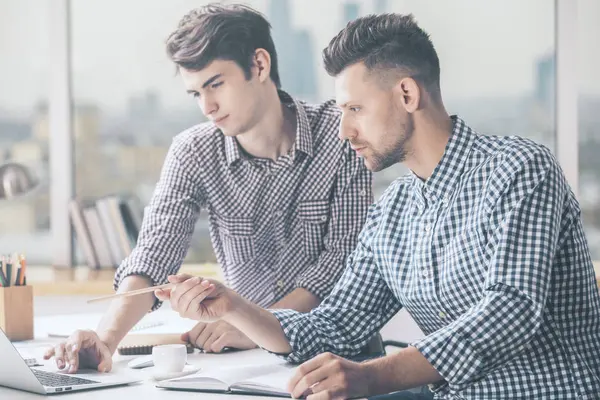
(157, 375)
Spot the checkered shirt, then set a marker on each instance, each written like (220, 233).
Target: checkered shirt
(275, 225)
(489, 257)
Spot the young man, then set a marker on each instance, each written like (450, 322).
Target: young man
(482, 243)
(286, 199)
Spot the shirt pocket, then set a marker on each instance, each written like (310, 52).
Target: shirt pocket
(460, 247)
(237, 238)
(314, 215)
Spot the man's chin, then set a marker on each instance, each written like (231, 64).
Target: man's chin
(371, 166)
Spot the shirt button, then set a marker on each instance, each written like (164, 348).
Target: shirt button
(427, 227)
(363, 193)
(425, 272)
(278, 213)
(280, 284)
(442, 315)
(323, 218)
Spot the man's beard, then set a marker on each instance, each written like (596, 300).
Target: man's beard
(397, 152)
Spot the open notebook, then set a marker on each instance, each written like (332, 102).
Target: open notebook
(255, 379)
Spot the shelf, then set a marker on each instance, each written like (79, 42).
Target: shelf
(54, 281)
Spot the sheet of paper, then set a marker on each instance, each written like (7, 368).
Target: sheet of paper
(233, 375)
(64, 325)
(278, 378)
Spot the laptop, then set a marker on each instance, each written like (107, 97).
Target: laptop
(15, 373)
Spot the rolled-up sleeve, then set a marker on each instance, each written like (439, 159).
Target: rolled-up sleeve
(349, 206)
(533, 207)
(359, 304)
(169, 219)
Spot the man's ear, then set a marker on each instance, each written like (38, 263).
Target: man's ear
(262, 64)
(408, 94)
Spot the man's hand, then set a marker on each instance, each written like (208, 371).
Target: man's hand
(328, 376)
(83, 349)
(196, 298)
(215, 336)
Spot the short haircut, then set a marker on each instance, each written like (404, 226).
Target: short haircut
(222, 32)
(384, 42)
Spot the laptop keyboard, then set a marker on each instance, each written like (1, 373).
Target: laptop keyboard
(56, 380)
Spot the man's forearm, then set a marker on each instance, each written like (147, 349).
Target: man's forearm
(299, 299)
(403, 370)
(124, 313)
(259, 325)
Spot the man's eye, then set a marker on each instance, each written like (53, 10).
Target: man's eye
(354, 109)
(216, 85)
(195, 94)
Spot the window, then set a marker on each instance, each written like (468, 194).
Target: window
(497, 62)
(25, 222)
(588, 64)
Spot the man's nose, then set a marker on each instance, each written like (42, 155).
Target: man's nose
(346, 129)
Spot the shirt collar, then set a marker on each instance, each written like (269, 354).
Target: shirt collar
(445, 175)
(302, 143)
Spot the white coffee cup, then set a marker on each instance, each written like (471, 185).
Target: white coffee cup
(169, 357)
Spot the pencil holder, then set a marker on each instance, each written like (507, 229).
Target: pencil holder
(16, 312)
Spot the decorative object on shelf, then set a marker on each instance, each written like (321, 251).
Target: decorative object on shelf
(15, 180)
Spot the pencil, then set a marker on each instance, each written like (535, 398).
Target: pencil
(23, 270)
(131, 293)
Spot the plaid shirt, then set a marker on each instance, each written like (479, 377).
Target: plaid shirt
(275, 225)
(489, 257)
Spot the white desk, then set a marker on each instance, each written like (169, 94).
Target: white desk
(401, 327)
(45, 306)
(146, 389)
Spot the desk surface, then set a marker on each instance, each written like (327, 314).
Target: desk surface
(146, 389)
(47, 306)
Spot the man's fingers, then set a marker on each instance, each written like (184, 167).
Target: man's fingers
(178, 278)
(310, 382)
(205, 334)
(162, 294)
(210, 340)
(49, 353)
(105, 364)
(192, 298)
(180, 290)
(72, 348)
(224, 340)
(321, 395)
(195, 332)
(185, 337)
(308, 367)
(59, 354)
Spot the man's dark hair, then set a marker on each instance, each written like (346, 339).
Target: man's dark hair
(222, 32)
(385, 41)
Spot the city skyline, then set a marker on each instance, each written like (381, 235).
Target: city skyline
(103, 58)
(128, 104)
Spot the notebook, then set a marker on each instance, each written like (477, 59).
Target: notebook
(140, 344)
(256, 379)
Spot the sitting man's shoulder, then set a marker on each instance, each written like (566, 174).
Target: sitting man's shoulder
(200, 138)
(512, 154)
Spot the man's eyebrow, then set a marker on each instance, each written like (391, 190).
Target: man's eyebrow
(211, 80)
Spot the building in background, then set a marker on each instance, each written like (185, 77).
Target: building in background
(122, 134)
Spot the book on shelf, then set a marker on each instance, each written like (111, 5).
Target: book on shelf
(106, 229)
(82, 233)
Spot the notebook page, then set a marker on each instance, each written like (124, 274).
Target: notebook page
(272, 383)
(227, 375)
